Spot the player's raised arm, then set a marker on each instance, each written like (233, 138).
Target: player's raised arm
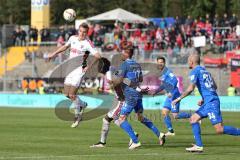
(193, 61)
(59, 50)
(185, 94)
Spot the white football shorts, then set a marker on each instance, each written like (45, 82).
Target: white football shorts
(74, 78)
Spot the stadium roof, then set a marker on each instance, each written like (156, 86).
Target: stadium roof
(119, 15)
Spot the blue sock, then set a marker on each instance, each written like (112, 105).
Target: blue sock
(168, 123)
(183, 115)
(127, 128)
(151, 126)
(231, 130)
(197, 134)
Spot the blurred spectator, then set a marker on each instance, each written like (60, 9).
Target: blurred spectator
(189, 21)
(163, 23)
(176, 50)
(45, 35)
(60, 41)
(148, 48)
(14, 37)
(231, 91)
(218, 39)
(17, 37)
(179, 40)
(225, 21)
(233, 20)
(216, 21)
(33, 34)
(23, 35)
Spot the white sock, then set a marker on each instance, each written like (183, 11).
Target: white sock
(77, 105)
(105, 130)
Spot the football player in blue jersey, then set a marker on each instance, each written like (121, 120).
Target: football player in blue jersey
(209, 105)
(130, 76)
(169, 84)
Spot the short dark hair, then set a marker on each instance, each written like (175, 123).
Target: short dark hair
(128, 46)
(162, 58)
(84, 25)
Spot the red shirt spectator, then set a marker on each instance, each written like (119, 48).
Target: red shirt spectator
(126, 26)
(158, 34)
(179, 41)
(137, 33)
(218, 39)
(143, 37)
(208, 27)
(152, 33)
(148, 46)
(200, 25)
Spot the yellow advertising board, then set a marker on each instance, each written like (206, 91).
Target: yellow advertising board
(40, 13)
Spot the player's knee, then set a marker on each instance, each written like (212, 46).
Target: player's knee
(219, 130)
(108, 118)
(122, 118)
(72, 97)
(140, 118)
(193, 120)
(175, 115)
(164, 113)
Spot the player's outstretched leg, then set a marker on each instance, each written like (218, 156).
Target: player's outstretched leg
(148, 123)
(130, 141)
(123, 123)
(231, 130)
(198, 147)
(79, 107)
(104, 133)
(183, 115)
(168, 122)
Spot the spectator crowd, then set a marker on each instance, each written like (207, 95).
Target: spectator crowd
(151, 39)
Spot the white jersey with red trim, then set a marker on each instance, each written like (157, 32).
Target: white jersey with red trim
(117, 89)
(79, 47)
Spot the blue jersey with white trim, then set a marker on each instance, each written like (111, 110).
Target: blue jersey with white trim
(205, 84)
(168, 81)
(131, 71)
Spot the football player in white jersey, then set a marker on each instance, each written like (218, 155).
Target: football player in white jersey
(113, 113)
(79, 45)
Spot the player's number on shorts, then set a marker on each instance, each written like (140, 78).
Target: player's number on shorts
(208, 81)
(211, 115)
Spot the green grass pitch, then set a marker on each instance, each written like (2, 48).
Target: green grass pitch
(39, 134)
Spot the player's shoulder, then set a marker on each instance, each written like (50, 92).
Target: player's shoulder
(73, 38)
(124, 63)
(197, 69)
(89, 42)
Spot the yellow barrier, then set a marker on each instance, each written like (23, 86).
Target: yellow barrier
(15, 57)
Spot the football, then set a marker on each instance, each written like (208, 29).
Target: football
(69, 15)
